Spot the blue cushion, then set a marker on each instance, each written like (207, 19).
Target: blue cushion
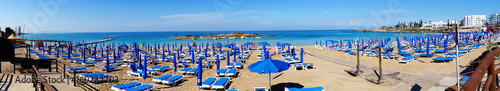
(209, 81)
(128, 85)
(140, 88)
(221, 81)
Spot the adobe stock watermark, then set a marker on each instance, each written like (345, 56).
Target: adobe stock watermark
(61, 79)
(223, 6)
(50, 8)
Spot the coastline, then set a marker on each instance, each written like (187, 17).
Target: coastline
(415, 30)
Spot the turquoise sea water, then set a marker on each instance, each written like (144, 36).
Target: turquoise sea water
(294, 37)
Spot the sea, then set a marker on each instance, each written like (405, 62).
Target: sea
(294, 37)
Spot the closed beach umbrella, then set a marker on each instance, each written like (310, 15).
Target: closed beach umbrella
(144, 69)
(206, 54)
(268, 67)
(200, 71)
(446, 44)
(107, 61)
(428, 47)
(218, 65)
(399, 46)
(301, 55)
(163, 53)
(293, 53)
(175, 63)
(192, 56)
(228, 57)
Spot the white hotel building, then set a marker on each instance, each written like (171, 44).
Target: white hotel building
(494, 18)
(474, 20)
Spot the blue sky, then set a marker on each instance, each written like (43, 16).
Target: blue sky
(229, 15)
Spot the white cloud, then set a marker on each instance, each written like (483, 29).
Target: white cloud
(326, 11)
(265, 23)
(352, 23)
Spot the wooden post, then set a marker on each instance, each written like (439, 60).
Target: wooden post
(64, 70)
(357, 65)
(380, 62)
(57, 66)
(74, 77)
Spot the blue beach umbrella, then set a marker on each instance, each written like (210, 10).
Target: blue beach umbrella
(200, 71)
(163, 53)
(69, 50)
(301, 55)
(50, 49)
(144, 69)
(218, 63)
(268, 67)
(57, 49)
(175, 63)
(399, 46)
(84, 59)
(228, 57)
(107, 61)
(206, 54)
(114, 56)
(446, 44)
(428, 47)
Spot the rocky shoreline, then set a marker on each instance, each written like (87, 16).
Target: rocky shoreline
(233, 35)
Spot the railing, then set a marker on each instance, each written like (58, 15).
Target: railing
(42, 83)
(487, 65)
(65, 65)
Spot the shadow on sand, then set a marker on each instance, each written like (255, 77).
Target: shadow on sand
(281, 86)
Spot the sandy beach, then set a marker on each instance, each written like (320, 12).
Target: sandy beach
(329, 75)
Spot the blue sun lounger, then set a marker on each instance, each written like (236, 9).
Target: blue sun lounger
(143, 87)
(134, 71)
(80, 69)
(406, 60)
(389, 56)
(442, 59)
(76, 60)
(230, 65)
(238, 65)
(352, 53)
(222, 72)
(91, 74)
(426, 55)
(453, 54)
(192, 71)
(173, 80)
(439, 51)
(289, 88)
(208, 82)
(111, 67)
(221, 83)
(156, 66)
(185, 70)
(125, 86)
(161, 78)
(162, 68)
(231, 72)
(89, 64)
(297, 66)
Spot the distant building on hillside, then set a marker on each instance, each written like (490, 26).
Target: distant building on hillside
(434, 25)
(474, 20)
(494, 18)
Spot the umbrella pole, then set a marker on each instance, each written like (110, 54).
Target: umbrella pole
(269, 81)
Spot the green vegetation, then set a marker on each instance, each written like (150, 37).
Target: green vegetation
(415, 30)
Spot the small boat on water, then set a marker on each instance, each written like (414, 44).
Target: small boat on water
(243, 37)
